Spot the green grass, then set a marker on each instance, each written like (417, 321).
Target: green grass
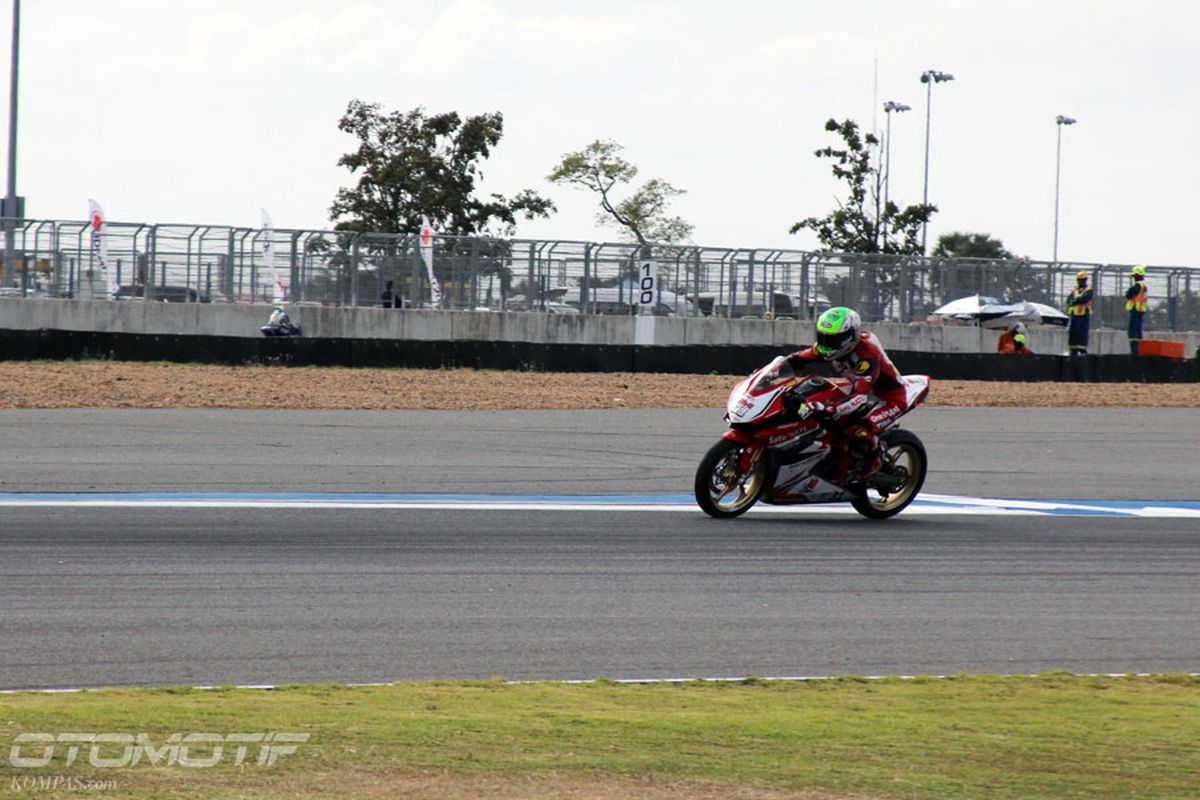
(1050, 736)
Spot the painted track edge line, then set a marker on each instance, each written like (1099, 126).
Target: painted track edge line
(925, 505)
(817, 508)
(267, 687)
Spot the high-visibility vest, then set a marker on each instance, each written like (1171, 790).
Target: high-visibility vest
(1138, 303)
(1075, 308)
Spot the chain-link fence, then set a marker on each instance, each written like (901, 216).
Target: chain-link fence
(216, 263)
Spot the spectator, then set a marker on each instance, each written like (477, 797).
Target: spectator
(1079, 309)
(388, 298)
(1135, 304)
(1013, 340)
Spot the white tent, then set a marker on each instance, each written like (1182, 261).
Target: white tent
(978, 308)
(990, 312)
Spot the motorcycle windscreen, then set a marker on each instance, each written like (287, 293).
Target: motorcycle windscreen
(777, 372)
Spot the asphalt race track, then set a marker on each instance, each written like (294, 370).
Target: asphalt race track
(1136, 454)
(216, 591)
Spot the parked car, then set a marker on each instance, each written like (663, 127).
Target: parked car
(611, 300)
(15, 291)
(163, 294)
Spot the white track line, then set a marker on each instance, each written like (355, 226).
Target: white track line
(670, 508)
(266, 687)
(926, 505)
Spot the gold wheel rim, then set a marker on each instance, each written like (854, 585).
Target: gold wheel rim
(725, 482)
(899, 457)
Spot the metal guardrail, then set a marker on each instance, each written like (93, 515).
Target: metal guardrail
(219, 263)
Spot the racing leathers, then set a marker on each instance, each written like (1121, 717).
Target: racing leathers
(877, 396)
(279, 320)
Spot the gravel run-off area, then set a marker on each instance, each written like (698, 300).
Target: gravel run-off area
(114, 384)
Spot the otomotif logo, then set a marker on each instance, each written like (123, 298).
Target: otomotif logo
(114, 750)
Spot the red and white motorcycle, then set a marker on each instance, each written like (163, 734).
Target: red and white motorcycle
(780, 456)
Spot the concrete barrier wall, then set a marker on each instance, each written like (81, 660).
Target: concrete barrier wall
(568, 329)
(500, 354)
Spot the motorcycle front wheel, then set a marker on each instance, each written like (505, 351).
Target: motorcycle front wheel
(729, 479)
(903, 458)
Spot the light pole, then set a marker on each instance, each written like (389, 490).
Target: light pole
(1059, 122)
(929, 77)
(888, 108)
(9, 207)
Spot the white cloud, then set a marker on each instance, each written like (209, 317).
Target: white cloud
(170, 111)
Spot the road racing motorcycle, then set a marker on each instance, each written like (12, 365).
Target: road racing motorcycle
(783, 447)
(286, 329)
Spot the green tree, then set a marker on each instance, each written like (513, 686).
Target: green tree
(970, 245)
(977, 263)
(1180, 312)
(409, 164)
(863, 223)
(643, 214)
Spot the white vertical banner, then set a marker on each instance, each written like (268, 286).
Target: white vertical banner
(646, 290)
(435, 288)
(100, 245)
(266, 243)
(646, 296)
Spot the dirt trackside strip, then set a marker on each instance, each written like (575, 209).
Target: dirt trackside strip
(105, 384)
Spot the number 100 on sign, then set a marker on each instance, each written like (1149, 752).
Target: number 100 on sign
(648, 283)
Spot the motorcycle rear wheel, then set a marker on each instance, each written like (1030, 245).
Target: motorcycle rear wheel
(903, 456)
(722, 489)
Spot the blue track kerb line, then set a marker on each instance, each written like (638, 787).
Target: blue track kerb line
(343, 497)
(933, 504)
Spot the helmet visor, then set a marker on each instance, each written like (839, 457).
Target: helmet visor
(829, 344)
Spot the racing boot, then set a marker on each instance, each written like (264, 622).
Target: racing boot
(863, 448)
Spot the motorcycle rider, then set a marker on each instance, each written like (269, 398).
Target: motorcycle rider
(878, 395)
(279, 321)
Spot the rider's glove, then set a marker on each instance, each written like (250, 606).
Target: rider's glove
(823, 415)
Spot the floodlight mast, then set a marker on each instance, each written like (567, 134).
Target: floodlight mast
(929, 77)
(10, 210)
(889, 107)
(1059, 122)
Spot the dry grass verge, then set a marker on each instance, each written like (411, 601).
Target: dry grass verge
(1053, 737)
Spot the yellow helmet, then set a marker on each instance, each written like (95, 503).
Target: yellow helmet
(1138, 272)
(1081, 276)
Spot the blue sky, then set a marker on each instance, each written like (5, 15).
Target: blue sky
(203, 112)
